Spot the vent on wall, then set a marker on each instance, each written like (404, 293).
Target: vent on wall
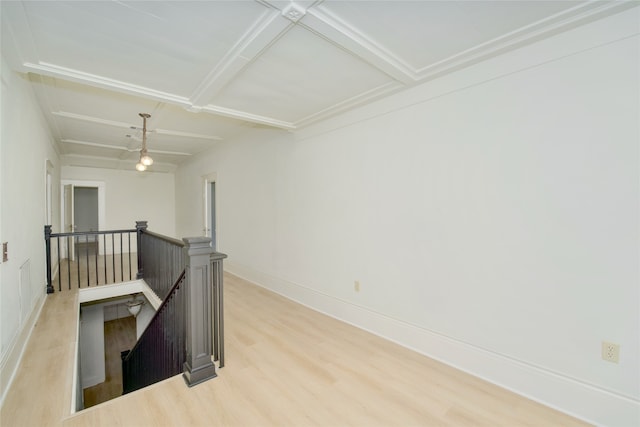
(25, 290)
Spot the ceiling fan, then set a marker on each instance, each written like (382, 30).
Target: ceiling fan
(145, 159)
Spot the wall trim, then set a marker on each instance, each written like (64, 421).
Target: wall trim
(579, 399)
(9, 365)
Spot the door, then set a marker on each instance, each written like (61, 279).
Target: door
(85, 211)
(68, 220)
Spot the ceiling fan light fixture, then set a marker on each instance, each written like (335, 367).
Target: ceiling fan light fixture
(145, 158)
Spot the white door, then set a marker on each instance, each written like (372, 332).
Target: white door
(69, 226)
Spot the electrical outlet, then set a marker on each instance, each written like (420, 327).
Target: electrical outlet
(356, 286)
(610, 352)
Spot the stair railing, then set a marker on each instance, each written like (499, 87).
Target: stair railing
(160, 352)
(93, 257)
(196, 309)
(188, 329)
(160, 259)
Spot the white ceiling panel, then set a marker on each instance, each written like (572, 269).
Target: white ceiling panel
(131, 41)
(181, 121)
(208, 70)
(299, 75)
(81, 149)
(421, 33)
(70, 97)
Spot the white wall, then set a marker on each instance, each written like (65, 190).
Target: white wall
(245, 175)
(92, 342)
(92, 357)
(132, 196)
(490, 216)
(25, 146)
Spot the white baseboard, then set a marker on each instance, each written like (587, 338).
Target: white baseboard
(569, 395)
(11, 361)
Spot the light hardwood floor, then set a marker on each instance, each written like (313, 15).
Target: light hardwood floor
(119, 335)
(88, 271)
(286, 365)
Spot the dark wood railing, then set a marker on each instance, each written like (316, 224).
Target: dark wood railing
(160, 259)
(92, 258)
(160, 352)
(193, 310)
(187, 275)
(217, 302)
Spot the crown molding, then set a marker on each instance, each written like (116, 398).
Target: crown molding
(111, 84)
(187, 134)
(560, 22)
(327, 25)
(254, 118)
(350, 103)
(323, 23)
(268, 29)
(104, 82)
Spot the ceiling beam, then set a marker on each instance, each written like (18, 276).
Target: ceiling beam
(268, 29)
(562, 21)
(124, 125)
(322, 22)
(111, 84)
(119, 148)
(91, 119)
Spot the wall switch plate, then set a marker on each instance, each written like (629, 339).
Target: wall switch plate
(356, 286)
(610, 352)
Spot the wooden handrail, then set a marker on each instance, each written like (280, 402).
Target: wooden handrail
(160, 352)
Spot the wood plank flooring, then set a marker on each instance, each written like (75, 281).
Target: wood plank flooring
(89, 269)
(119, 335)
(286, 365)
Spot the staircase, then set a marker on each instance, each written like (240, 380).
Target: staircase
(186, 333)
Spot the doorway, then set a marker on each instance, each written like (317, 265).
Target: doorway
(83, 209)
(85, 214)
(210, 209)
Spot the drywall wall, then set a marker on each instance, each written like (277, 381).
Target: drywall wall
(490, 217)
(25, 148)
(92, 342)
(132, 196)
(92, 357)
(245, 174)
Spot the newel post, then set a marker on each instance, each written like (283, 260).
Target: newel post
(140, 227)
(47, 243)
(199, 367)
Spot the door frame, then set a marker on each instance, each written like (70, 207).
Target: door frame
(48, 189)
(101, 200)
(68, 211)
(206, 180)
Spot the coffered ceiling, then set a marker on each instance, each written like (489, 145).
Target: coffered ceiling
(208, 70)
